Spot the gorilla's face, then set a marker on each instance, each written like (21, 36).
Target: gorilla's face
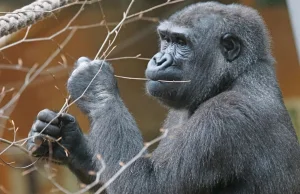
(167, 70)
(192, 62)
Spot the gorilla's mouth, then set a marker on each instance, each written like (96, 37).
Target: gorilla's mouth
(166, 80)
(169, 74)
(161, 88)
(164, 77)
(163, 83)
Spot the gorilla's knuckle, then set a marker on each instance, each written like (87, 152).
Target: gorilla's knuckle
(109, 67)
(44, 113)
(41, 113)
(67, 118)
(99, 62)
(39, 125)
(30, 135)
(83, 60)
(71, 118)
(104, 65)
(81, 67)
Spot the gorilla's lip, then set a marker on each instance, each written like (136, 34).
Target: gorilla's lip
(160, 90)
(164, 80)
(168, 75)
(162, 77)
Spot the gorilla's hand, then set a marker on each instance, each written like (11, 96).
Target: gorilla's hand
(92, 83)
(62, 134)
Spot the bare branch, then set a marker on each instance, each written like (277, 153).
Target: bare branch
(103, 52)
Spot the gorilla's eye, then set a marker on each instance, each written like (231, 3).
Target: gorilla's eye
(181, 41)
(165, 37)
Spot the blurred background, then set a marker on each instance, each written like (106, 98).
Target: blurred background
(135, 38)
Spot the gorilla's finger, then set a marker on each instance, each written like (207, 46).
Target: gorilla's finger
(104, 64)
(47, 128)
(60, 153)
(32, 136)
(47, 115)
(82, 60)
(35, 145)
(66, 118)
(38, 151)
(30, 144)
(35, 138)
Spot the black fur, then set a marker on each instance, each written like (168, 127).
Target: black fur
(229, 131)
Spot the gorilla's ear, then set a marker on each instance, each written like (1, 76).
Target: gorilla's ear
(230, 46)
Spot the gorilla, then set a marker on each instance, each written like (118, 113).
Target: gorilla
(228, 129)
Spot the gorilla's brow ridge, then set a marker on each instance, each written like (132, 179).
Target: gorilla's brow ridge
(171, 29)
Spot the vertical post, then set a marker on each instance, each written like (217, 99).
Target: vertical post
(294, 11)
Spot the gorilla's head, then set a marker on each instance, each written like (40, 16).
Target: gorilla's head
(208, 44)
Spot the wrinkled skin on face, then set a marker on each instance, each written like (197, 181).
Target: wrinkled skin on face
(202, 49)
(169, 65)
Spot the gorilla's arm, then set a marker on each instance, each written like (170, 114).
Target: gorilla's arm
(114, 134)
(179, 164)
(179, 159)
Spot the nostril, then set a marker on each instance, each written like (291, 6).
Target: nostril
(166, 60)
(156, 58)
(161, 61)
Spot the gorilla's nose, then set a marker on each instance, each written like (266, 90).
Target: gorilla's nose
(158, 64)
(163, 59)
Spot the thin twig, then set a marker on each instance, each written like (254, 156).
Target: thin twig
(15, 145)
(36, 73)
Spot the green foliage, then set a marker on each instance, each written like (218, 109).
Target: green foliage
(294, 114)
(270, 2)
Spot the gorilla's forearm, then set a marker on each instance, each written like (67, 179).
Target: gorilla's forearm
(119, 142)
(83, 163)
(110, 138)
